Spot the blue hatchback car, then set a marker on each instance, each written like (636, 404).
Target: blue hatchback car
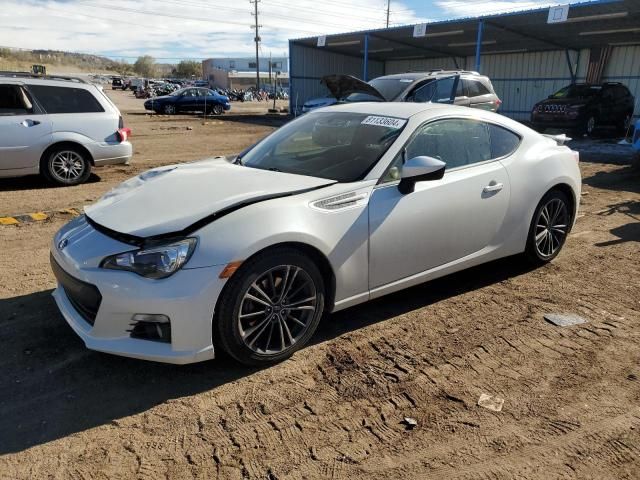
(192, 99)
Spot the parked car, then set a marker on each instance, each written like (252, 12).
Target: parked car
(464, 88)
(342, 205)
(585, 107)
(116, 83)
(189, 100)
(58, 126)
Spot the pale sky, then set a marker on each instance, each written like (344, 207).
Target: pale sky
(175, 29)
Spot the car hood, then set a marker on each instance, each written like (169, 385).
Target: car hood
(341, 86)
(564, 101)
(174, 198)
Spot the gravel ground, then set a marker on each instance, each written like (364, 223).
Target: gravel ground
(336, 409)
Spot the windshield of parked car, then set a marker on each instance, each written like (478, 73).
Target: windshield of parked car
(339, 146)
(577, 91)
(177, 93)
(390, 88)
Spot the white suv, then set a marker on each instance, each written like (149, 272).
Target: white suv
(59, 127)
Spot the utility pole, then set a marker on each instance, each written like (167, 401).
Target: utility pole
(388, 11)
(257, 40)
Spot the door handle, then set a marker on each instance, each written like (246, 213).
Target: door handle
(29, 123)
(493, 187)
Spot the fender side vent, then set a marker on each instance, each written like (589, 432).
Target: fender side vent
(339, 202)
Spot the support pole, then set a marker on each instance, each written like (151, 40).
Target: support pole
(365, 73)
(573, 74)
(479, 44)
(257, 40)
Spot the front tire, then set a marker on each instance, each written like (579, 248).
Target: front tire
(217, 109)
(169, 109)
(67, 166)
(549, 228)
(270, 307)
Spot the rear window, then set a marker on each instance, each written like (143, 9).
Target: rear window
(65, 99)
(475, 88)
(503, 142)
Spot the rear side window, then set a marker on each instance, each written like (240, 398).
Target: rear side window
(65, 99)
(503, 142)
(475, 88)
(14, 101)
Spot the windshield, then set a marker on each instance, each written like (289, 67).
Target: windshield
(390, 88)
(335, 145)
(577, 91)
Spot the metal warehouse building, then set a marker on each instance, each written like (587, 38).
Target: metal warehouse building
(528, 55)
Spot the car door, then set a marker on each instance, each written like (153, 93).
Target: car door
(607, 105)
(25, 131)
(188, 101)
(442, 220)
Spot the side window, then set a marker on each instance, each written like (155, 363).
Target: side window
(475, 88)
(424, 93)
(503, 142)
(438, 91)
(66, 99)
(444, 89)
(457, 142)
(14, 100)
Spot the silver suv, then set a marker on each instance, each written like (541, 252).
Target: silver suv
(59, 127)
(458, 87)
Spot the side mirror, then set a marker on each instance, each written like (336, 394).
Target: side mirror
(420, 169)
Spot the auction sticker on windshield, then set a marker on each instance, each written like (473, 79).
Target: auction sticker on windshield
(388, 122)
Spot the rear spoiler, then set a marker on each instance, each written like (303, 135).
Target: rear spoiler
(559, 139)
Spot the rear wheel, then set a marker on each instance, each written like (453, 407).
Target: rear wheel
(270, 308)
(67, 165)
(549, 228)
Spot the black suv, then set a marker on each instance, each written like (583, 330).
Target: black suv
(585, 107)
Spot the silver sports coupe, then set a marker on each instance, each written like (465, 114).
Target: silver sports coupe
(340, 206)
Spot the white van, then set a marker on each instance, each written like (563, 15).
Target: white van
(59, 127)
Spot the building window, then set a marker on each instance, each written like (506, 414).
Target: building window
(232, 64)
(253, 65)
(276, 64)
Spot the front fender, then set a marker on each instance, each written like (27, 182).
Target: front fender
(341, 236)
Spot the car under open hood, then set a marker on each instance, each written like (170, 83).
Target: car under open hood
(176, 198)
(341, 86)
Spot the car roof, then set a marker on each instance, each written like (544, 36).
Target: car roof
(426, 111)
(389, 109)
(429, 73)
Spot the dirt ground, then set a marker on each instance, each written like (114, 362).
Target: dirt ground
(336, 409)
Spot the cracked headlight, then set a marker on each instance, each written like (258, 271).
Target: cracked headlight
(155, 262)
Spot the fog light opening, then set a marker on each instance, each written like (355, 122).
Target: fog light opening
(149, 326)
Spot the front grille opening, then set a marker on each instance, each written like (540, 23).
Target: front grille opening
(154, 331)
(84, 297)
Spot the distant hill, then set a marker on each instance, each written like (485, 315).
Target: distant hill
(59, 62)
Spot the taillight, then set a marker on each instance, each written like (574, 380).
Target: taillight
(576, 155)
(124, 134)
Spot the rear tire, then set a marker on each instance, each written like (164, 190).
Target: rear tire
(549, 228)
(66, 165)
(270, 307)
